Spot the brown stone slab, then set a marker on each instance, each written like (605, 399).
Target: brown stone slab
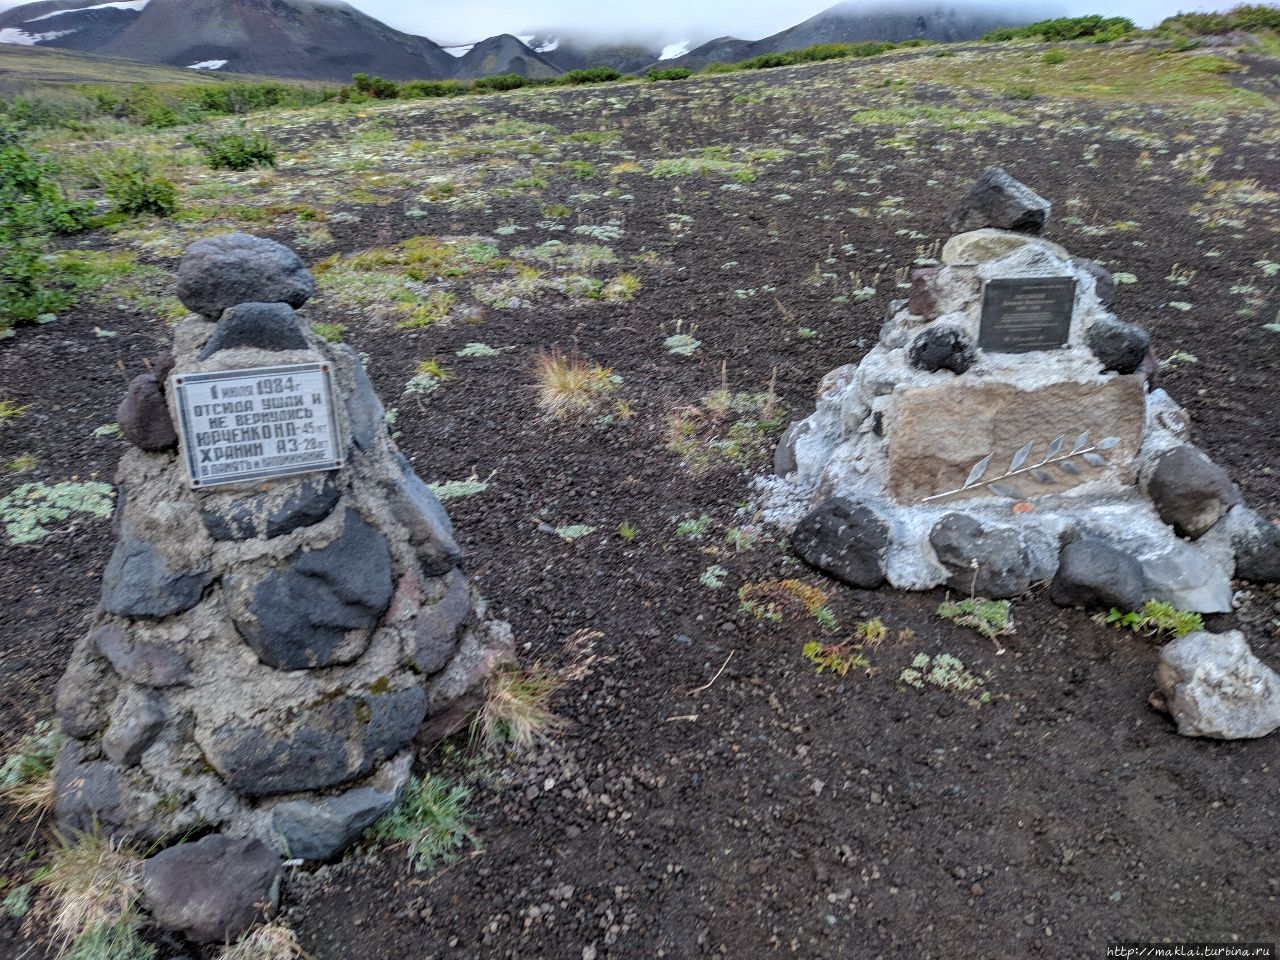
(937, 434)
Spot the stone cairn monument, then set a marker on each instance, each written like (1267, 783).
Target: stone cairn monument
(283, 614)
(1007, 430)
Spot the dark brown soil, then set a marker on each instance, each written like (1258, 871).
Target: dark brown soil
(761, 809)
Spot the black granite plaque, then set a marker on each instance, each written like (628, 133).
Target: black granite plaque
(1026, 313)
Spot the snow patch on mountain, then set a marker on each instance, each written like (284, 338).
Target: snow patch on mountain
(460, 51)
(526, 40)
(546, 47)
(24, 39)
(118, 5)
(208, 65)
(673, 50)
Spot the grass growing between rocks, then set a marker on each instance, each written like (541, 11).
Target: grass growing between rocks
(274, 941)
(26, 779)
(431, 821)
(92, 890)
(517, 709)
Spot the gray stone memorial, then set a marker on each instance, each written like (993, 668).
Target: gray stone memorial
(237, 426)
(1024, 314)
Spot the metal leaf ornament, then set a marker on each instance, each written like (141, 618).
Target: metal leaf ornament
(1068, 463)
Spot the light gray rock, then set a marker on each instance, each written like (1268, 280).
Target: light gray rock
(420, 511)
(436, 632)
(1097, 576)
(260, 326)
(844, 539)
(323, 744)
(138, 582)
(1190, 491)
(321, 607)
(1188, 577)
(984, 560)
(145, 664)
(1214, 686)
(214, 890)
(998, 200)
(144, 418)
(138, 719)
(235, 268)
(321, 828)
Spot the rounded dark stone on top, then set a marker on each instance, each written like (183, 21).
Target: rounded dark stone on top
(144, 418)
(1120, 346)
(238, 268)
(998, 200)
(1191, 492)
(942, 348)
(261, 326)
(1097, 576)
(845, 539)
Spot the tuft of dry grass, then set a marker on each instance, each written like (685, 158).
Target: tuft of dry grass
(92, 884)
(569, 385)
(26, 777)
(274, 941)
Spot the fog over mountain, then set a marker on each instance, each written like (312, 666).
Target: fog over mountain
(450, 22)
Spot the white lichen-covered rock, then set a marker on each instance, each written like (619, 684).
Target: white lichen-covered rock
(1214, 686)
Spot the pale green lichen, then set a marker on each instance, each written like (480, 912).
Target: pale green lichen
(29, 511)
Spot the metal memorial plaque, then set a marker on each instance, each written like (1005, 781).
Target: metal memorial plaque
(1027, 313)
(243, 425)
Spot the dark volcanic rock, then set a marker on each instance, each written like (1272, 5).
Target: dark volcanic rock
(245, 517)
(144, 417)
(365, 413)
(302, 614)
(214, 890)
(238, 268)
(420, 511)
(332, 742)
(322, 828)
(263, 326)
(83, 694)
(998, 200)
(87, 793)
(1120, 346)
(436, 635)
(942, 348)
(984, 561)
(1095, 575)
(1104, 283)
(145, 664)
(1190, 491)
(138, 583)
(1258, 552)
(844, 539)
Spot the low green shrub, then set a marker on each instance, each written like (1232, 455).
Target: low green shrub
(501, 81)
(669, 73)
(1248, 17)
(237, 151)
(131, 183)
(1093, 27)
(593, 75)
(423, 89)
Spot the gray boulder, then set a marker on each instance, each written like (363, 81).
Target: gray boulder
(138, 719)
(214, 890)
(261, 326)
(986, 561)
(1214, 686)
(240, 516)
(84, 693)
(1120, 346)
(323, 827)
(420, 511)
(1188, 577)
(138, 582)
(998, 200)
(238, 268)
(846, 540)
(87, 793)
(145, 664)
(942, 348)
(436, 634)
(1095, 575)
(1190, 491)
(784, 454)
(365, 413)
(144, 418)
(321, 607)
(334, 740)
(1104, 283)
(1258, 552)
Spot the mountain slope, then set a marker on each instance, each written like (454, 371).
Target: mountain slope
(303, 39)
(503, 54)
(854, 21)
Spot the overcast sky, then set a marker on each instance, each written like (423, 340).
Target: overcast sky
(465, 21)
